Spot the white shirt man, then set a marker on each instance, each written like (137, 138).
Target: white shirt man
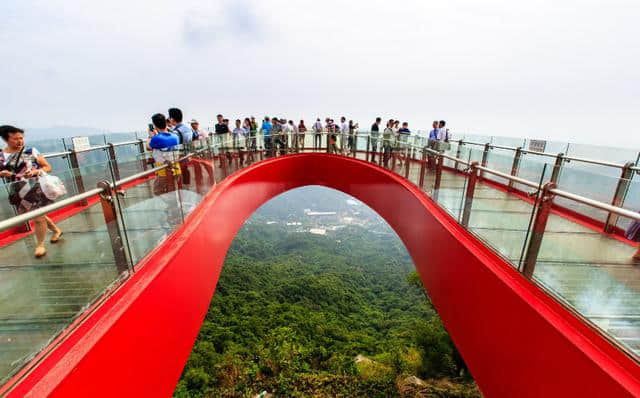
(239, 134)
(317, 126)
(344, 127)
(443, 134)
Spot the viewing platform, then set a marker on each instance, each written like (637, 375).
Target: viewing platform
(556, 219)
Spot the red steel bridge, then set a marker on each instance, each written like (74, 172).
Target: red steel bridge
(534, 282)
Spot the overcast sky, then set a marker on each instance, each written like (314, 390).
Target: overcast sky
(568, 70)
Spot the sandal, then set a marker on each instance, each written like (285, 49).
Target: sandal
(40, 252)
(56, 236)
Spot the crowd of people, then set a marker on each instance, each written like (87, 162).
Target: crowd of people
(19, 163)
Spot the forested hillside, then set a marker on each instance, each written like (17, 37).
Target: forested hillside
(340, 314)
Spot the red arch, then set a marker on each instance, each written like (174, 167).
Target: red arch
(516, 340)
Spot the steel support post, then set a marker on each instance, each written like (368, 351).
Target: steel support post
(516, 165)
(555, 174)
(141, 151)
(77, 174)
(394, 155)
(423, 167)
(114, 161)
(618, 198)
(223, 163)
(107, 201)
(485, 156)
(368, 148)
(458, 153)
(436, 184)
(543, 208)
(407, 162)
(471, 188)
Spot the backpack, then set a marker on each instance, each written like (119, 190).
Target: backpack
(179, 134)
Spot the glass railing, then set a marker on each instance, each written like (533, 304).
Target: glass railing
(107, 231)
(501, 196)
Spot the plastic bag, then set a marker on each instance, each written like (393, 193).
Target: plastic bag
(52, 186)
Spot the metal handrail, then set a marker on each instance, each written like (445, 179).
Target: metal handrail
(21, 219)
(367, 133)
(597, 204)
(42, 211)
(510, 177)
(455, 159)
(549, 155)
(134, 177)
(593, 161)
(56, 154)
(93, 148)
(567, 195)
(566, 158)
(148, 172)
(126, 143)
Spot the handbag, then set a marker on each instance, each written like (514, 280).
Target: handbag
(52, 186)
(16, 186)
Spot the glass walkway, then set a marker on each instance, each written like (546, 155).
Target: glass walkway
(580, 257)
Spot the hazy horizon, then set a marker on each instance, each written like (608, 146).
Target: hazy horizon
(565, 71)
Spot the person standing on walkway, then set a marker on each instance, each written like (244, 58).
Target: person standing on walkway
(21, 166)
(164, 147)
(196, 133)
(253, 132)
(375, 134)
(332, 138)
(387, 140)
(277, 135)
(302, 129)
(266, 134)
(185, 135)
(293, 128)
(239, 138)
(432, 143)
(249, 139)
(443, 137)
(344, 132)
(317, 134)
(285, 132)
(222, 134)
(353, 127)
(403, 143)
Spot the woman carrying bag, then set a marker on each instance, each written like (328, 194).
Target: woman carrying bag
(20, 166)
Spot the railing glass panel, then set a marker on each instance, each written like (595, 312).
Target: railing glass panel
(593, 273)
(588, 182)
(605, 153)
(499, 218)
(39, 298)
(531, 167)
(151, 209)
(500, 160)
